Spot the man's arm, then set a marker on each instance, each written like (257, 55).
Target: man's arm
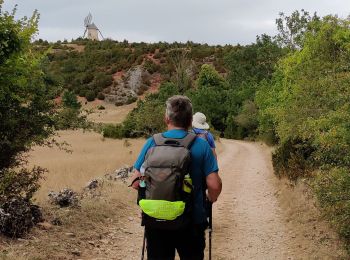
(214, 186)
(135, 175)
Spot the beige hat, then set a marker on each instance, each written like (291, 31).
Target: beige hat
(199, 121)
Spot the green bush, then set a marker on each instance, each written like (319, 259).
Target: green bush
(100, 96)
(333, 193)
(293, 158)
(113, 131)
(90, 95)
(119, 103)
(82, 93)
(70, 100)
(131, 99)
(70, 118)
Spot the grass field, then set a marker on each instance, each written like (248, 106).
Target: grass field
(91, 156)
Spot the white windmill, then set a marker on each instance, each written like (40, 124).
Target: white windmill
(91, 29)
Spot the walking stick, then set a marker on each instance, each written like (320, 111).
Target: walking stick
(210, 213)
(143, 245)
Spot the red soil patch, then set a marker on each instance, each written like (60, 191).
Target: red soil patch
(58, 101)
(118, 75)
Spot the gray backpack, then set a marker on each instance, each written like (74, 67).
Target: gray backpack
(167, 200)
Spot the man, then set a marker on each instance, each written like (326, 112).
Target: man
(189, 241)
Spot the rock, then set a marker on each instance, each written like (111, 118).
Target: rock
(64, 198)
(45, 225)
(92, 184)
(130, 218)
(91, 243)
(76, 252)
(56, 221)
(17, 216)
(69, 234)
(121, 173)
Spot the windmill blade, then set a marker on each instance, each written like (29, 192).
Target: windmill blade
(84, 33)
(88, 20)
(101, 34)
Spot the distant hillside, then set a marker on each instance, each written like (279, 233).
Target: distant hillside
(119, 72)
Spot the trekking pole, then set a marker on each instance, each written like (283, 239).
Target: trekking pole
(210, 209)
(143, 245)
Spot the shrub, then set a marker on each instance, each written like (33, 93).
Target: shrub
(113, 131)
(119, 103)
(101, 107)
(293, 158)
(70, 118)
(90, 95)
(70, 100)
(82, 93)
(157, 55)
(131, 99)
(100, 96)
(333, 193)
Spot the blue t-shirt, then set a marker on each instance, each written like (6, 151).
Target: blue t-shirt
(210, 137)
(203, 163)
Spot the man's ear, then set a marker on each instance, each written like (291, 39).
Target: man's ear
(166, 120)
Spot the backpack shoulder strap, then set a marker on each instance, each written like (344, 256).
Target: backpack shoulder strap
(159, 139)
(188, 140)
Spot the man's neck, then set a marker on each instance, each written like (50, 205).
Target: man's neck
(172, 127)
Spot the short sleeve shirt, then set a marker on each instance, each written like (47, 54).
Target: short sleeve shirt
(203, 163)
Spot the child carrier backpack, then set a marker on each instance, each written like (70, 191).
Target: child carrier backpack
(166, 200)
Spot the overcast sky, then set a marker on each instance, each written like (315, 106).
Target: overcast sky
(203, 21)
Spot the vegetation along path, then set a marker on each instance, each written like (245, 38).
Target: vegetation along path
(256, 217)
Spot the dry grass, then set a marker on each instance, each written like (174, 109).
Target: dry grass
(96, 230)
(92, 156)
(110, 115)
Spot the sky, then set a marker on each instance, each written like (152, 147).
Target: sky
(203, 21)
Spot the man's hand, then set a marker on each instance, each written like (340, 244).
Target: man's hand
(136, 174)
(214, 185)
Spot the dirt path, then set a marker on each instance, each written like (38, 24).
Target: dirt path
(250, 218)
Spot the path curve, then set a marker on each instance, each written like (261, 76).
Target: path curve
(251, 216)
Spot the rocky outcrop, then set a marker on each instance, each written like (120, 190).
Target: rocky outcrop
(64, 198)
(17, 216)
(127, 87)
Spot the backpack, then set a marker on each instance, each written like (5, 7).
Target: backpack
(201, 135)
(166, 200)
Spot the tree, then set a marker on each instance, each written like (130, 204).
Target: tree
(183, 69)
(209, 96)
(292, 28)
(70, 100)
(25, 109)
(253, 63)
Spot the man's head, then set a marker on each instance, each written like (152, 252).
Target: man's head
(179, 112)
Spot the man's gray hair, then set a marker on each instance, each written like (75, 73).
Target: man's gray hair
(179, 111)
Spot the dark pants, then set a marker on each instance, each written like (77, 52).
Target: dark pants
(189, 243)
